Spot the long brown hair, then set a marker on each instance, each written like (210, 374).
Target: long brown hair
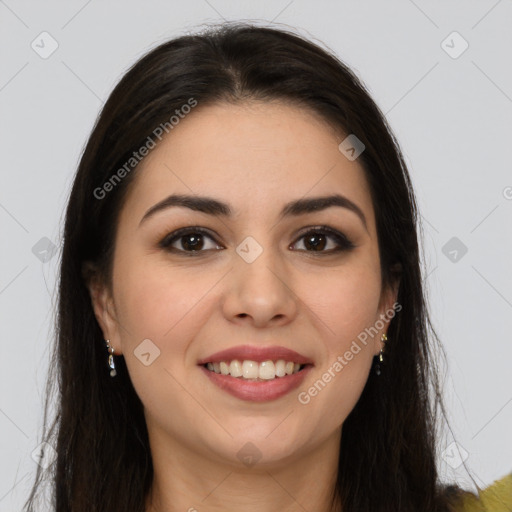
(387, 459)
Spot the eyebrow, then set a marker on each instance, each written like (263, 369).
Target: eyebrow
(217, 208)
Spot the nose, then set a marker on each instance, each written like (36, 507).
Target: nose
(259, 293)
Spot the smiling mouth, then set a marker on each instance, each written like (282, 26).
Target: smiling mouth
(254, 371)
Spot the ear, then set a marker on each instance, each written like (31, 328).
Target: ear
(388, 307)
(103, 306)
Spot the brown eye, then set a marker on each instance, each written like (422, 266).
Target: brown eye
(315, 241)
(318, 239)
(189, 240)
(192, 241)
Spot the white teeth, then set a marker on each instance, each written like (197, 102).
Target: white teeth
(224, 368)
(247, 369)
(250, 369)
(235, 368)
(280, 368)
(267, 370)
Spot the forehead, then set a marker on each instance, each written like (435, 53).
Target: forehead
(257, 156)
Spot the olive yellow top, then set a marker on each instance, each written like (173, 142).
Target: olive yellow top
(497, 497)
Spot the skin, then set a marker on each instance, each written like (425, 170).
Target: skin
(255, 156)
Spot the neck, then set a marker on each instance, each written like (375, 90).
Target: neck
(185, 480)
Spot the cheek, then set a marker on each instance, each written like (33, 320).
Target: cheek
(345, 299)
(155, 302)
(347, 304)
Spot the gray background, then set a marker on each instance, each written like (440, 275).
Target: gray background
(452, 117)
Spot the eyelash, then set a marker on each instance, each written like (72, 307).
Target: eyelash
(344, 244)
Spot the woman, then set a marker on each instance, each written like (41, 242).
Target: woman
(242, 322)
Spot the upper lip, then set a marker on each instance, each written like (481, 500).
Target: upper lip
(257, 354)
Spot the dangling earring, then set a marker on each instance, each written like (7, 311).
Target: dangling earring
(111, 362)
(384, 338)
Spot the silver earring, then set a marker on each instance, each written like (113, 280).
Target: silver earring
(111, 362)
(384, 338)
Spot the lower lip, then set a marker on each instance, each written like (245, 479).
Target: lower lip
(257, 391)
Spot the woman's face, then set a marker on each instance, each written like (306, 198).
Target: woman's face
(251, 280)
